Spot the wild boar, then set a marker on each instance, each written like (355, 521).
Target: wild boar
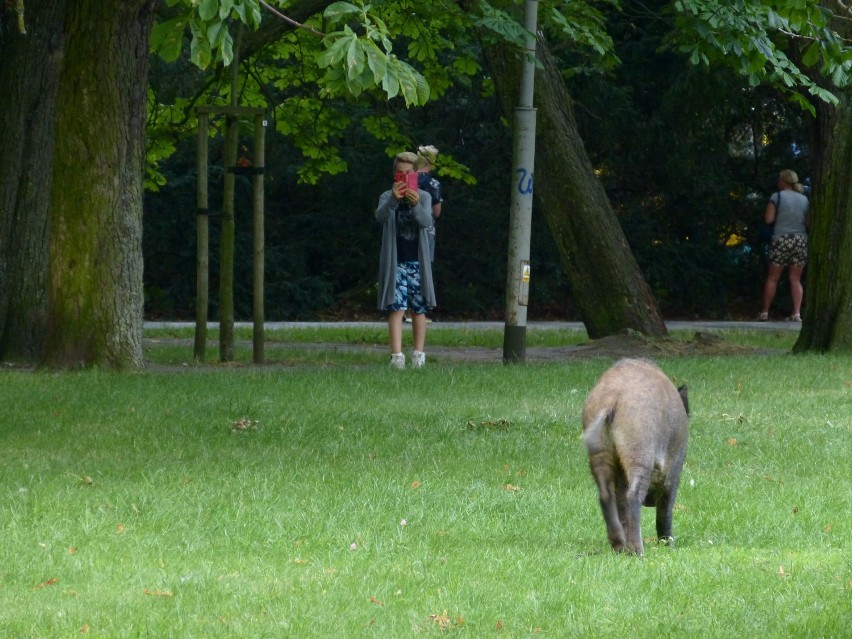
(635, 430)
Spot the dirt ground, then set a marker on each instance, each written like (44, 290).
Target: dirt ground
(612, 347)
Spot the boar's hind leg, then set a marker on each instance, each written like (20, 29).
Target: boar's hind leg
(665, 508)
(633, 521)
(605, 479)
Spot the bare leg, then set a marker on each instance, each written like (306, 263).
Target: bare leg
(796, 290)
(771, 286)
(418, 324)
(395, 331)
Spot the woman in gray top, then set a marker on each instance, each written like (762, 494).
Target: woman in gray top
(788, 211)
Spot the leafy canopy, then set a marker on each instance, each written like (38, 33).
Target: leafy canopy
(762, 40)
(358, 55)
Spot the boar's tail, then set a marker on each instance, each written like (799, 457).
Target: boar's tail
(594, 433)
(684, 397)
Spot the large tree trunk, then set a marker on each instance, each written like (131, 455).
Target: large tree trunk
(95, 294)
(827, 316)
(827, 322)
(30, 65)
(608, 287)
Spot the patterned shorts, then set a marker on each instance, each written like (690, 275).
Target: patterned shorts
(789, 250)
(407, 294)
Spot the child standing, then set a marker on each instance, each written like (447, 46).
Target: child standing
(405, 265)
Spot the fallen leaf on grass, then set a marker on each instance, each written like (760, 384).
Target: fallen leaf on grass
(158, 593)
(444, 622)
(782, 573)
(511, 488)
(85, 479)
(119, 529)
(84, 629)
(376, 601)
(244, 423)
(732, 441)
(500, 423)
(415, 484)
(50, 582)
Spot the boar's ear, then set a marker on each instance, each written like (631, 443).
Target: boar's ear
(684, 397)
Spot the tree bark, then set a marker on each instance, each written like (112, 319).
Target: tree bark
(827, 316)
(30, 66)
(95, 292)
(608, 288)
(827, 324)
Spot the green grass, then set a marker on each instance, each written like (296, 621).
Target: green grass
(131, 507)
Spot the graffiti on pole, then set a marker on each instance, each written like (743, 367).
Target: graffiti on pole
(525, 181)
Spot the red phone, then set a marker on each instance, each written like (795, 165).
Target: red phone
(410, 180)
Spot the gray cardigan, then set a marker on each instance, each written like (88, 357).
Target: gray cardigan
(386, 216)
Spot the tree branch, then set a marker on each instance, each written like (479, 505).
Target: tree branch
(296, 24)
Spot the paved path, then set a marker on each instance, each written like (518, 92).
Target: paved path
(474, 325)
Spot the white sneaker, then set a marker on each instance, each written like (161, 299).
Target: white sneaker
(418, 359)
(398, 360)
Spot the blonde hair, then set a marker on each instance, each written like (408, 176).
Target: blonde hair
(792, 179)
(405, 156)
(426, 156)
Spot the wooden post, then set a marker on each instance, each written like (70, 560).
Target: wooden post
(258, 227)
(226, 275)
(226, 248)
(202, 263)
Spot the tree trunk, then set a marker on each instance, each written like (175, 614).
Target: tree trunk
(95, 294)
(608, 287)
(30, 65)
(827, 317)
(827, 324)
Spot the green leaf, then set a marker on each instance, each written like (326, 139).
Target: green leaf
(377, 62)
(226, 48)
(811, 55)
(338, 10)
(167, 38)
(208, 9)
(466, 66)
(354, 58)
(390, 83)
(336, 52)
(199, 49)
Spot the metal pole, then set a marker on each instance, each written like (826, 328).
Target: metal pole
(520, 214)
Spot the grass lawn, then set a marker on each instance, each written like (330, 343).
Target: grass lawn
(342, 499)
